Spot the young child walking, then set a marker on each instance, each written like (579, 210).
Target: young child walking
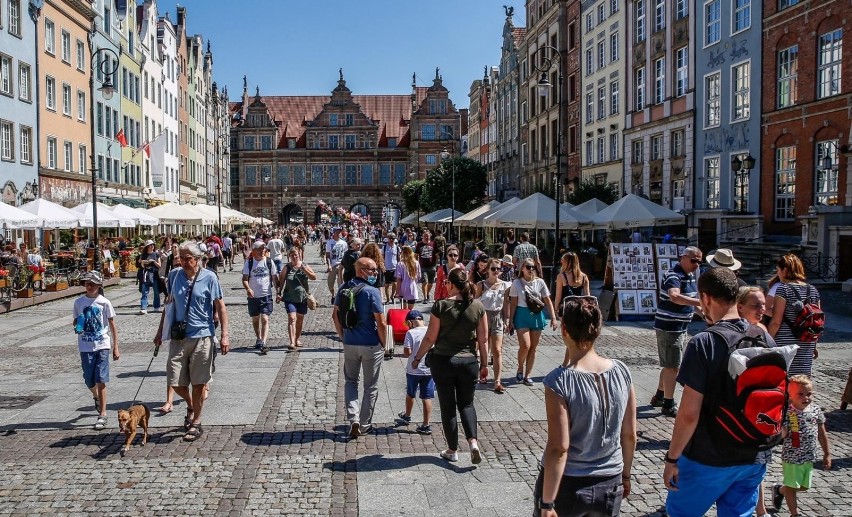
(804, 426)
(416, 378)
(94, 322)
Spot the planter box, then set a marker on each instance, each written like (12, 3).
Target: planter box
(57, 286)
(3, 283)
(36, 277)
(25, 293)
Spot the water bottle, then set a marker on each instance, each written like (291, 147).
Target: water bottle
(80, 324)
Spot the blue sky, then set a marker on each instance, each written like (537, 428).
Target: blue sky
(295, 47)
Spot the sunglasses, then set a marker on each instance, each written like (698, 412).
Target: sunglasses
(695, 261)
(454, 255)
(494, 268)
(529, 267)
(370, 269)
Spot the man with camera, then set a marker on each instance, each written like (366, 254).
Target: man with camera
(196, 297)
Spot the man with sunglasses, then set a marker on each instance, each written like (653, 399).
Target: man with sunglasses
(678, 302)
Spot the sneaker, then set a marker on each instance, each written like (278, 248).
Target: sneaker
(402, 419)
(656, 401)
(670, 411)
(100, 423)
(258, 344)
(528, 381)
(142, 311)
(519, 376)
(263, 348)
(365, 429)
(450, 456)
(777, 496)
(475, 454)
(354, 430)
(424, 429)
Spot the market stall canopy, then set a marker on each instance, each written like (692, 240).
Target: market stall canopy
(478, 219)
(172, 213)
(235, 216)
(141, 218)
(536, 211)
(262, 220)
(14, 218)
(462, 221)
(591, 207)
(54, 215)
(437, 215)
(106, 218)
(409, 219)
(567, 205)
(633, 211)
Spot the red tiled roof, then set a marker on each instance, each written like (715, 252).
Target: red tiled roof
(519, 34)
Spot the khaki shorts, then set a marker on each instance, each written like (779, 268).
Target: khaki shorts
(190, 361)
(495, 322)
(670, 347)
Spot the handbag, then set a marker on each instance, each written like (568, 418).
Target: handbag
(311, 301)
(534, 302)
(177, 330)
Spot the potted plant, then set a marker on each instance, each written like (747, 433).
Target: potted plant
(22, 283)
(4, 278)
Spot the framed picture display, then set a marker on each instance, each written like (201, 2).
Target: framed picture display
(663, 266)
(647, 301)
(628, 302)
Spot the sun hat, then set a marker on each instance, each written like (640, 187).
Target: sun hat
(149, 242)
(723, 257)
(93, 277)
(508, 259)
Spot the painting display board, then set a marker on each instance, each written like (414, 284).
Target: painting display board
(637, 268)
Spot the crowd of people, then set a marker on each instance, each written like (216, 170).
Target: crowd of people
(590, 400)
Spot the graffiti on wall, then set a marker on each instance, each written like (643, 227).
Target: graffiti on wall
(65, 192)
(726, 139)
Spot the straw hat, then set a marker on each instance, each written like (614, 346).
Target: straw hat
(723, 257)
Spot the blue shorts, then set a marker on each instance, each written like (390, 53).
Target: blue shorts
(423, 382)
(95, 367)
(297, 307)
(733, 489)
(258, 306)
(524, 319)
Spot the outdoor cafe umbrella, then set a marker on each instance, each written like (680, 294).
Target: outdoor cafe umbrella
(141, 218)
(437, 215)
(54, 215)
(591, 207)
(465, 219)
(13, 218)
(536, 211)
(634, 211)
(173, 213)
(409, 219)
(478, 220)
(106, 218)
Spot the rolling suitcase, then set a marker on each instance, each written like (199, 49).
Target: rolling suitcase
(396, 328)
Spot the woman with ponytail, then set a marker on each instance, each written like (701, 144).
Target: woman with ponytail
(457, 328)
(407, 275)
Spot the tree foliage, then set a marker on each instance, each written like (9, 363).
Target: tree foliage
(471, 180)
(586, 190)
(412, 196)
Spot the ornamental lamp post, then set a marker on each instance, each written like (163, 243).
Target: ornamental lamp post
(264, 180)
(742, 168)
(223, 138)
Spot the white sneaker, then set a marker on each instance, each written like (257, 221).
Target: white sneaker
(143, 311)
(450, 456)
(475, 453)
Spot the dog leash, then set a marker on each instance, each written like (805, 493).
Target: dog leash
(156, 350)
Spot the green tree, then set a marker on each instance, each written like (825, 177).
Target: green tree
(471, 180)
(412, 196)
(586, 190)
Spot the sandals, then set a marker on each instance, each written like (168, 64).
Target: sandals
(499, 388)
(193, 433)
(165, 408)
(187, 420)
(100, 423)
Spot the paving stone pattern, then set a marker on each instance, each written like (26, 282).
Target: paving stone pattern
(275, 436)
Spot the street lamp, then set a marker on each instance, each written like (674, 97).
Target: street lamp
(742, 168)
(445, 155)
(223, 138)
(553, 58)
(265, 179)
(107, 65)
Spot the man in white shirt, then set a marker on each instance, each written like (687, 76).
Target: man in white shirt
(276, 250)
(259, 274)
(228, 251)
(335, 248)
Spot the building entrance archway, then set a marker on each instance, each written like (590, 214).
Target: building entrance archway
(291, 214)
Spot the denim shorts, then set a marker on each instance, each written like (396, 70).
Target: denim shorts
(524, 319)
(423, 382)
(588, 495)
(297, 307)
(258, 306)
(95, 367)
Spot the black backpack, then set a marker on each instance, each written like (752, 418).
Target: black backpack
(347, 311)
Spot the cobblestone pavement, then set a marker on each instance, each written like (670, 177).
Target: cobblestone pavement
(275, 439)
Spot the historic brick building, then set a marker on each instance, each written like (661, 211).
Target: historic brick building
(356, 152)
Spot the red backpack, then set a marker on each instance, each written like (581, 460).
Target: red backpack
(753, 396)
(810, 320)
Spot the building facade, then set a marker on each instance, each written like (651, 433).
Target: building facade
(152, 81)
(505, 171)
(18, 109)
(602, 108)
(658, 136)
(355, 152)
(126, 186)
(165, 176)
(478, 109)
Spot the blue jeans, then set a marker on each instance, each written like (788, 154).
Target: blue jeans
(145, 289)
(733, 489)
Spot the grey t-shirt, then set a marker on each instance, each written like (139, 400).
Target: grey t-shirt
(596, 407)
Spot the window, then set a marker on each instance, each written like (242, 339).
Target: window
(333, 141)
(81, 159)
(366, 174)
(740, 79)
(24, 82)
(317, 176)
(713, 22)
(7, 135)
(68, 155)
(66, 99)
(590, 63)
(788, 71)
(6, 75)
(713, 100)
(589, 154)
(613, 47)
(107, 20)
(601, 102)
(590, 22)
(248, 141)
(640, 20)
(50, 93)
(350, 141)
(601, 54)
(682, 60)
(681, 9)
(590, 107)
(785, 183)
(436, 107)
(391, 143)
(613, 146)
(742, 15)
(741, 186)
(99, 115)
(334, 175)
(659, 80)
(638, 152)
(251, 175)
(431, 159)
(49, 36)
(659, 15)
(428, 132)
(81, 105)
(657, 147)
(783, 4)
(677, 144)
(711, 174)
(81, 56)
(51, 152)
(26, 144)
(825, 186)
(613, 7)
(613, 98)
(640, 88)
(65, 42)
(350, 119)
(399, 173)
(601, 13)
(298, 174)
(14, 8)
(350, 174)
(830, 54)
(332, 119)
(600, 149)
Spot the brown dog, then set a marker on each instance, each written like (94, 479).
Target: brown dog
(129, 419)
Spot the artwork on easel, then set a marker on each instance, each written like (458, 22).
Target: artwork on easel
(647, 301)
(627, 302)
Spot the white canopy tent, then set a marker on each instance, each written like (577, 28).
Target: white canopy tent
(536, 211)
(465, 218)
(235, 216)
(13, 218)
(141, 218)
(567, 205)
(54, 215)
(591, 207)
(633, 211)
(438, 215)
(174, 214)
(478, 219)
(106, 217)
(409, 219)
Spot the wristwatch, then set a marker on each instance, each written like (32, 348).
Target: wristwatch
(669, 460)
(546, 506)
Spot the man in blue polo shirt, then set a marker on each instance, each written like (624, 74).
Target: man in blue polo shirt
(678, 302)
(363, 347)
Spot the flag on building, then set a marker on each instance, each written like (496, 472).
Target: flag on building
(147, 146)
(121, 138)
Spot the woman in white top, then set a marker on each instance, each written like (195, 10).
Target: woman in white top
(528, 324)
(494, 295)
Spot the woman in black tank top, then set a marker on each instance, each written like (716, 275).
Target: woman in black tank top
(571, 280)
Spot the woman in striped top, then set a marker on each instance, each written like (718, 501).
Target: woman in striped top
(792, 292)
